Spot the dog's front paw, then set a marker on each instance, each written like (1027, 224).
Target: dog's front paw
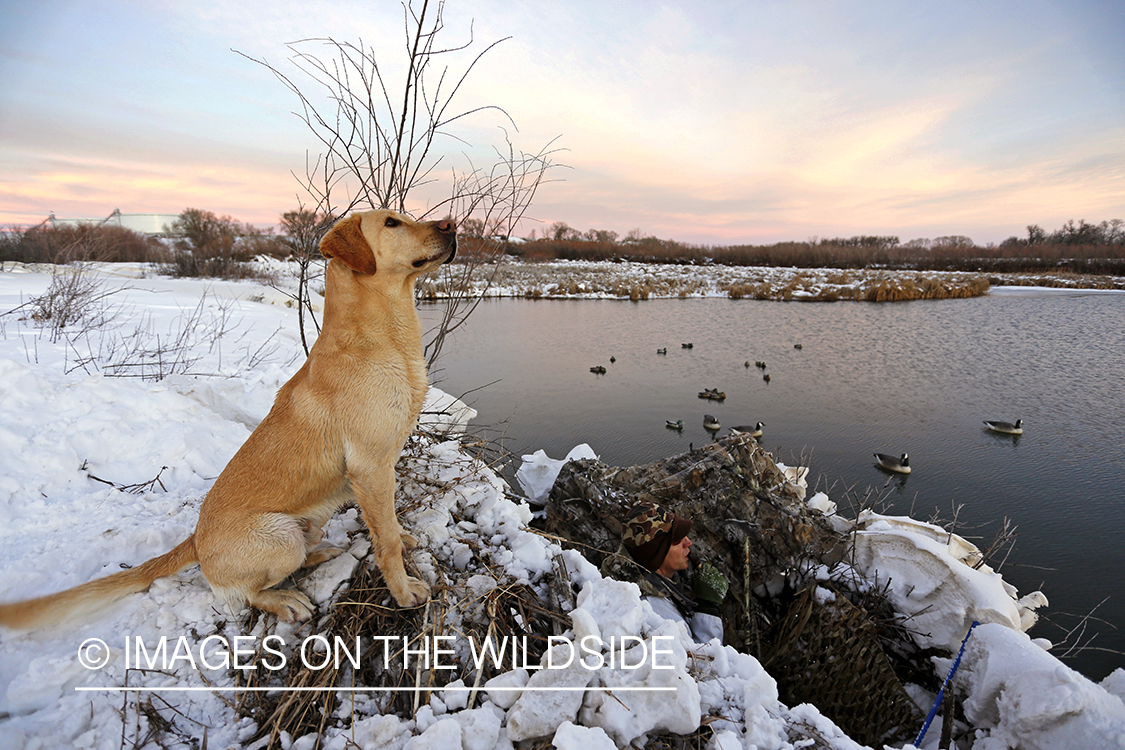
(416, 593)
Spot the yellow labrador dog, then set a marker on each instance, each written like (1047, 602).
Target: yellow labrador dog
(334, 434)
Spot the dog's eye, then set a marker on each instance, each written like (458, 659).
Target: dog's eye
(391, 222)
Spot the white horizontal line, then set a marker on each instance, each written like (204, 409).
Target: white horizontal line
(204, 689)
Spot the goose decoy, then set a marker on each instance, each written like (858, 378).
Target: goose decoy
(710, 423)
(751, 430)
(662, 351)
(598, 370)
(1006, 427)
(899, 465)
(677, 425)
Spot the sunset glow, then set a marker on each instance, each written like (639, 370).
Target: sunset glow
(712, 123)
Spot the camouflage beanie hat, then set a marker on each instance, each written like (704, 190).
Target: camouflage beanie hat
(650, 531)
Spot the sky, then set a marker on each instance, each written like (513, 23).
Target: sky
(704, 121)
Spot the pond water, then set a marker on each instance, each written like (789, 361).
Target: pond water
(914, 377)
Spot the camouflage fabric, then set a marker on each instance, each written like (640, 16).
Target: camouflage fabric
(644, 522)
(650, 531)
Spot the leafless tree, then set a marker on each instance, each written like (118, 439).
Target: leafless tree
(302, 231)
(380, 139)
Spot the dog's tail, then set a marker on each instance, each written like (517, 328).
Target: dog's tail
(92, 596)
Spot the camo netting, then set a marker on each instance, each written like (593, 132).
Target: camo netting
(825, 651)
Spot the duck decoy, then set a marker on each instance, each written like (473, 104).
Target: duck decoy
(1006, 427)
(751, 430)
(662, 351)
(598, 370)
(677, 425)
(713, 394)
(710, 423)
(899, 465)
(760, 365)
(686, 346)
(798, 346)
(766, 377)
(612, 360)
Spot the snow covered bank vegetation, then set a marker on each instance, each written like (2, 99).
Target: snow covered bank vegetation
(637, 281)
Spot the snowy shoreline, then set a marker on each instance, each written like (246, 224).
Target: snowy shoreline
(67, 421)
(636, 281)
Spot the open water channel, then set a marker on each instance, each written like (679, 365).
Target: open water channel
(915, 377)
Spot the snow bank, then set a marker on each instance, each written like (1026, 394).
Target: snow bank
(938, 579)
(1021, 696)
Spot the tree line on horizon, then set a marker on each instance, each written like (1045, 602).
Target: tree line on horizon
(1080, 247)
(201, 243)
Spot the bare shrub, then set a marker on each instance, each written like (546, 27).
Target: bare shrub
(80, 242)
(211, 246)
(73, 298)
(149, 353)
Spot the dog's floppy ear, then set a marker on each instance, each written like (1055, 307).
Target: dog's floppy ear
(345, 242)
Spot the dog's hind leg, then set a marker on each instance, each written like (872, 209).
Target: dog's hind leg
(314, 554)
(375, 494)
(244, 570)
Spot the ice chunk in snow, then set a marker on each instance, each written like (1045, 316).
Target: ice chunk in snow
(445, 414)
(570, 736)
(538, 712)
(501, 688)
(441, 735)
(671, 703)
(538, 472)
(614, 605)
(796, 476)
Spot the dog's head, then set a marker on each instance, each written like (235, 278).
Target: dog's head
(390, 242)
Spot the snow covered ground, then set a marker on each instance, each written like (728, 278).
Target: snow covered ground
(101, 468)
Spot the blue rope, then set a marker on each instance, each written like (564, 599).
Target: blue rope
(941, 693)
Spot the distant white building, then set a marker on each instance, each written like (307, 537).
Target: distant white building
(151, 224)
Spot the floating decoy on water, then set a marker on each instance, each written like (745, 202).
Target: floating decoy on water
(710, 423)
(1006, 427)
(760, 365)
(798, 346)
(686, 346)
(612, 359)
(746, 364)
(751, 430)
(677, 425)
(713, 393)
(899, 465)
(598, 370)
(662, 351)
(766, 377)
